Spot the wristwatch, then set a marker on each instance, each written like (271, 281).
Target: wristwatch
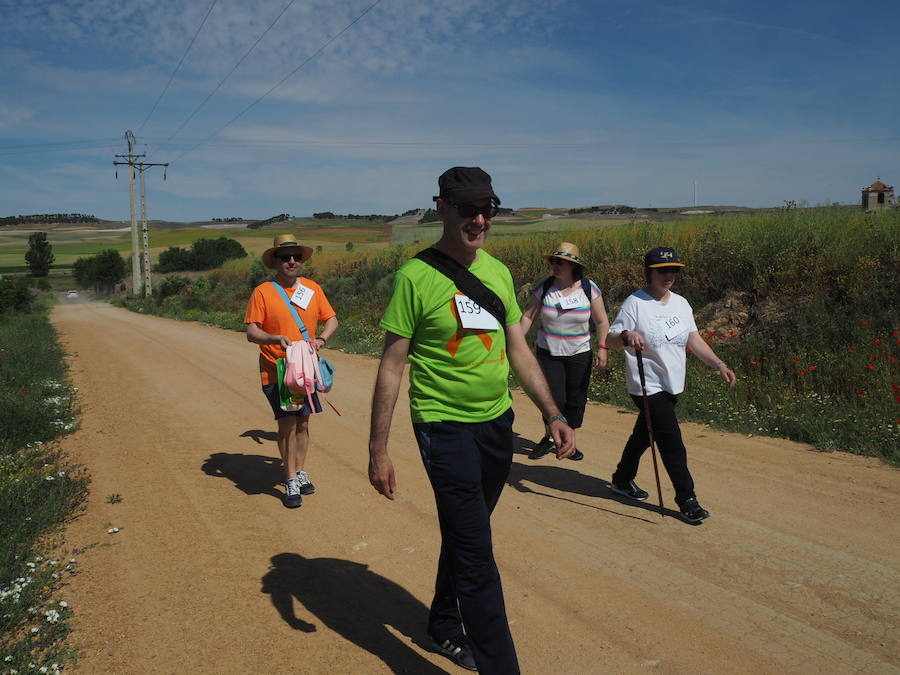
(556, 418)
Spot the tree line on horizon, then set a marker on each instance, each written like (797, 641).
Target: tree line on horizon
(42, 218)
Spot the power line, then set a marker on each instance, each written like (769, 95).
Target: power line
(280, 82)
(702, 143)
(240, 61)
(39, 148)
(183, 56)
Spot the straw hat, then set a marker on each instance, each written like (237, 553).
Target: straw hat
(566, 251)
(283, 241)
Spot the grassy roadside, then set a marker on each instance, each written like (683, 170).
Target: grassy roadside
(800, 304)
(39, 490)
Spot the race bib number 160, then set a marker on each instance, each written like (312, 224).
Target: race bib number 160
(471, 314)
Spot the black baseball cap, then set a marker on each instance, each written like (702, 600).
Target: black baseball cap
(466, 184)
(662, 256)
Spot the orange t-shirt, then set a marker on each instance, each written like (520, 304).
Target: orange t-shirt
(269, 311)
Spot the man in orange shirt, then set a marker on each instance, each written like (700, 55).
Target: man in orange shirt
(271, 325)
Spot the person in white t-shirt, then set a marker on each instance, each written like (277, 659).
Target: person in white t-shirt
(566, 303)
(660, 323)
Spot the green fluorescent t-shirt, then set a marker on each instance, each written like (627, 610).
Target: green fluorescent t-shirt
(456, 374)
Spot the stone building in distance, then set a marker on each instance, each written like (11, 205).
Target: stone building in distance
(877, 197)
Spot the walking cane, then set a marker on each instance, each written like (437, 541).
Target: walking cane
(640, 360)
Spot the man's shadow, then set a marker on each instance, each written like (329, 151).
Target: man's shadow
(252, 474)
(550, 473)
(354, 602)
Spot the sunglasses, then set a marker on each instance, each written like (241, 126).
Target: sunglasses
(469, 211)
(287, 257)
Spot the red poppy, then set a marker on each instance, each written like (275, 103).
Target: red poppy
(896, 388)
(860, 394)
(794, 360)
(811, 368)
(893, 333)
(733, 334)
(877, 341)
(870, 366)
(897, 398)
(23, 390)
(800, 372)
(892, 359)
(864, 322)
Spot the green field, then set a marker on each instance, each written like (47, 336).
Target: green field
(73, 242)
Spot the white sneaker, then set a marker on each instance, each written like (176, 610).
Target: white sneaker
(306, 488)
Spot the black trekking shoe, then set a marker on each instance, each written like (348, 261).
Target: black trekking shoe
(457, 650)
(630, 490)
(577, 455)
(692, 511)
(542, 448)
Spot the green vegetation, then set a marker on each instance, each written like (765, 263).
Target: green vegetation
(204, 254)
(38, 491)
(15, 295)
(40, 254)
(102, 271)
(46, 218)
(798, 302)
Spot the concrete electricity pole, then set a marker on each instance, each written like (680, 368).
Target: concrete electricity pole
(135, 253)
(135, 256)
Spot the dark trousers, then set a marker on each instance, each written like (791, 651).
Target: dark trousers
(468, 465)
(569, 378)
(668, 440)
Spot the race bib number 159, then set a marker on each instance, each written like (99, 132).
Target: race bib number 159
(471, 314)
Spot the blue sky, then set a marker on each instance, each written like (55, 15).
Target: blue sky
(564, 103)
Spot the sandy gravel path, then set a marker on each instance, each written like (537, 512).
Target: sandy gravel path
(798, 569)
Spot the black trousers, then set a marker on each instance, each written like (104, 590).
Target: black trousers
(569, 378)
(467, 465)
(668, 438)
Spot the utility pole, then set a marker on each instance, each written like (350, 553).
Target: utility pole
(135, 252)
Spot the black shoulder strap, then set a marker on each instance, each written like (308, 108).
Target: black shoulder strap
(545, 286)
(586, 287)
(465, 281)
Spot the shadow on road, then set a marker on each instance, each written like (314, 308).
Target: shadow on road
(259, 435)
(551, 473)
(252, 474)
(354, 602)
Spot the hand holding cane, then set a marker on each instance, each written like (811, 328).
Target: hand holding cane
(640, 361)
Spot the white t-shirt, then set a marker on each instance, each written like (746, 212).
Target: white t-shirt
(665, 327)
(565, 320)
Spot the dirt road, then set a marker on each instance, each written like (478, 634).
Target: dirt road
(797, 570)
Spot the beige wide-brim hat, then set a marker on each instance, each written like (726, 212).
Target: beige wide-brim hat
(566, 251)
(283, 241)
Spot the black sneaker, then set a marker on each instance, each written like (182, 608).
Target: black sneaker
(306, 488)
(292, 498)
(630, 490)
(542, 448)
(578, 455)
(692, 511)
(457, 650)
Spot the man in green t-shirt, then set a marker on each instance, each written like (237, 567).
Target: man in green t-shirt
(462, 416)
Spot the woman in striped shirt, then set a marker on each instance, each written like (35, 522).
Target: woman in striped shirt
(567, 303)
